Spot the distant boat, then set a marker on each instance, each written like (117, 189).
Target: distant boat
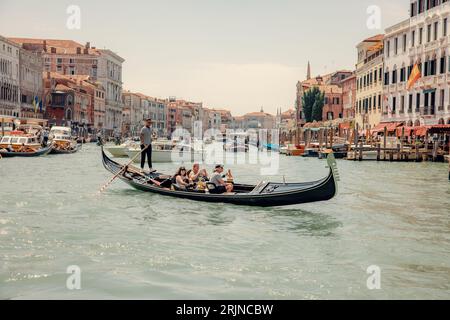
(121, 150)
(41, 152)
(163, 151)
(61, 140)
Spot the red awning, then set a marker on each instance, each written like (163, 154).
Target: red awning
(408, 131)
(345, 126)
(390, 127)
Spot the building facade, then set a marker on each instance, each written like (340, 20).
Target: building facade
(133, 113)
(331, 85)
(67, 57)
(422, 40)
(31, 84)
(348, 86)
(9, 78)
(369, 82)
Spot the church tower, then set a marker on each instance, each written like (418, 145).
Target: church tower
(308, 73)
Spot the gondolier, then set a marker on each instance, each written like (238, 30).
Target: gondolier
(146, 143)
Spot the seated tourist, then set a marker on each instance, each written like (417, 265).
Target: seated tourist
(217, 180)
(181, 178)
(196, 174)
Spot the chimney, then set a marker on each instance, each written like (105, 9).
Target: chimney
(53, 50)
(78, 50)
(88, 45)
(45, 46)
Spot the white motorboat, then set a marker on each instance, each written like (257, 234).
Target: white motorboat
(168, 151)
(284, 150)
(120, 151)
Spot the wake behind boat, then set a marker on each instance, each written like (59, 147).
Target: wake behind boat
(265, 194)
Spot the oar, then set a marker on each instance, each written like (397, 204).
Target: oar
(106, 185)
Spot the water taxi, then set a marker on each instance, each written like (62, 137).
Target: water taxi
(20, 144)
(61, 140)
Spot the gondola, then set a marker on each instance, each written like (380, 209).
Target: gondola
(265, 194)
(70, 151)
(40, 152)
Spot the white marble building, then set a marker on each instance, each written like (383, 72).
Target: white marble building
(423, 39)
(9, 78)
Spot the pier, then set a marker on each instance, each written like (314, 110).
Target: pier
(387, 142)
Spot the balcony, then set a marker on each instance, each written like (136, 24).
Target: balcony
(433, 45)
(441, 79)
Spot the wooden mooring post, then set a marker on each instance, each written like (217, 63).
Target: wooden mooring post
(384, 142)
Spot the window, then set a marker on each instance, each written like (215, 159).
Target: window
(444, 27)
(394, 104)
(442, 65)
(421, 36)
(436, 25)
(404, 43)
(410, 103)
(396, 46)
(429, 33)
(388, 48)
(402, 104)
(394, 77)
(413, 38)
(442, 96)
(418, 102)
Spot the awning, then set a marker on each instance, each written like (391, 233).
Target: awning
(345, 126)
(439, 128)
(390, 127)
(408, 131)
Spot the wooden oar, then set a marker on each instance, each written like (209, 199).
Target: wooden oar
(106, 185)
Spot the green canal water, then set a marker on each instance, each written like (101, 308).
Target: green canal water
(133, 245)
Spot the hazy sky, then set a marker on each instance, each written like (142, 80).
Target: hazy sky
(234, 54)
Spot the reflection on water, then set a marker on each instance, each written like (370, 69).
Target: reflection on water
(131, 244)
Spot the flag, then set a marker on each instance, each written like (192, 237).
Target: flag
(414, 77)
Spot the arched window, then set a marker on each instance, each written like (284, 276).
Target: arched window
(69, 114)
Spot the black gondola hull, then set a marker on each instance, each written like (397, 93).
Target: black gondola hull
(282, 194)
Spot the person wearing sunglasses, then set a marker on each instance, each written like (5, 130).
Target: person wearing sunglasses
(181, 178)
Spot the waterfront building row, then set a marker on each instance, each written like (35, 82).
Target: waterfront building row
(383, 68)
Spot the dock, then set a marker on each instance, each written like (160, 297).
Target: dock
(388, 142)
